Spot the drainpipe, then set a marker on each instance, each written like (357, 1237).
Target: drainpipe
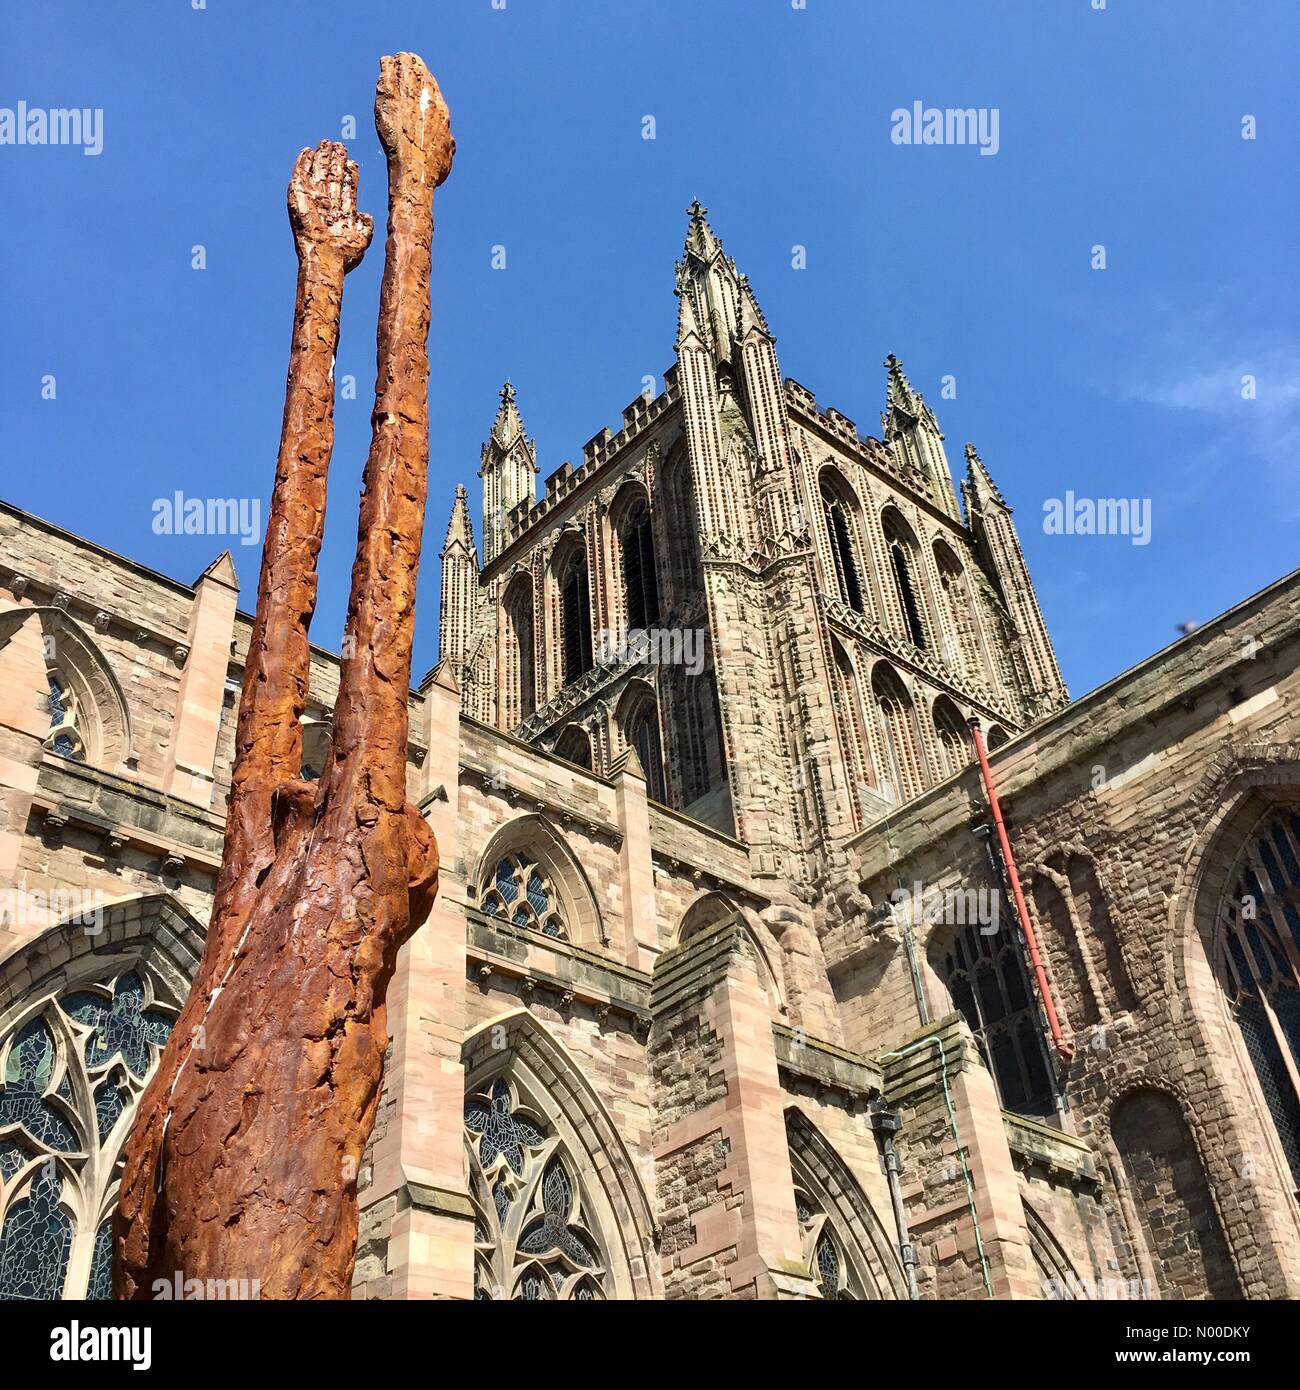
(937, 1042)
(886, 1124)
(1065, 1048)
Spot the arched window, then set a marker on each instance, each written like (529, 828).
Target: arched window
(520, 666)
(678, 516)
(72, 1076)
(641, 728)
(574, 746)
(853, 730)
(903, 565)
(898, 727)
(950, 733)
(960, 646)
(575, 615)
(1259, 948)
(64, 737)
(821, 1250)
(989, 984)
(533, 1237)
(640, 580)
(841, 528)
(520, 890)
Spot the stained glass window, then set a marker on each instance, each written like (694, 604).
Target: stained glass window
(70, 1079)
(822, 1255)
(532, 1236)
(1259, 963)
(64, 738)
(520, 890)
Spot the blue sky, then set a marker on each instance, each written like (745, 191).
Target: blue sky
(1119, 127)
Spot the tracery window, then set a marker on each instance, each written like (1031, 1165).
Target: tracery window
(533, 1239)
(520, 666)
(643, 735)
(822, 1255)
(902, 561)
(840, 529)
(64, 738)
(989, 983)
(640, 580)
(1259, 964)
(72, 1076)
(521, 891)
(951, 736)
(898, 725)
(575, 616)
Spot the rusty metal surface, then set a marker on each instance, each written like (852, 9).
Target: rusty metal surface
(244, 1156)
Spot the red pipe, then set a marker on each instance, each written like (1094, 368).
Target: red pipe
(1065, 1048)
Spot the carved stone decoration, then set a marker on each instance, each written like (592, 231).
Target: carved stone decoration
(244, 1157)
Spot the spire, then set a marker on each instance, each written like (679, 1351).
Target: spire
(899, 394)
(460, 529)
(979, 484)
(508, 469)
(509, 424)
(700, 240)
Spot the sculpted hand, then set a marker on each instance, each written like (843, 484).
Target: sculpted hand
(411, 116)
(323, 203)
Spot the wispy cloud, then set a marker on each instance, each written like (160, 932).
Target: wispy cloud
(1247, 393)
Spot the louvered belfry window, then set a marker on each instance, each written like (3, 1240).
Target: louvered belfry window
(576, 618)
(1259, 963)
(839, 528)
(639, 577)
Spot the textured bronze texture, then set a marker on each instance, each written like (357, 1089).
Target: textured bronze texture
(244, 1157)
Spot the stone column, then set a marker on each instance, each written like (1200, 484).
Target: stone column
(959, 1183)
(416, 1235)
(725, 1190)
(187, 771)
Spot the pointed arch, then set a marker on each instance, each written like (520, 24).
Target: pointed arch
(1179, 1222)
(961, 644)
(518, 662)
(1057, 1276)
(841, 515)
(530, 842)
(635, 557)
(89, 713)
(556, 1097)
(638, 719)
(852, 723)
(574, 746)
(573, 585)
(78, 1042)
(998, 736)
(679, 522)
(904, 763)
(713, 907)
(951, 737)
(837, 1204)
(904, 553)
